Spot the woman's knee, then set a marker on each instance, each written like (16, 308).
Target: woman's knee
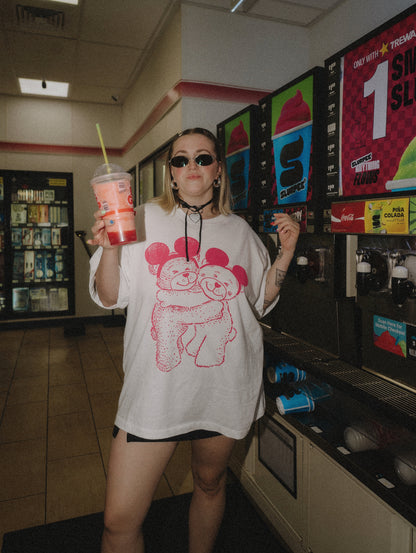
(209, 482)
(119, 523)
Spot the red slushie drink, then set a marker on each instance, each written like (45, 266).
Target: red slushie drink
(112, 191)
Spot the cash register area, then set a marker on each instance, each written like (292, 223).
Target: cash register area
(58, 397)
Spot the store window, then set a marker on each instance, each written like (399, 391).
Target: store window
(152, 174)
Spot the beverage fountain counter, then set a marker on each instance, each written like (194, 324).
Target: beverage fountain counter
(367, 424)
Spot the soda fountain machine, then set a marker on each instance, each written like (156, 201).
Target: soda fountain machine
(340, 346)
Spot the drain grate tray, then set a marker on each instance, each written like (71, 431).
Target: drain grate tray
(382, 390)
(357, 378)
(334, 366)
(406, 404)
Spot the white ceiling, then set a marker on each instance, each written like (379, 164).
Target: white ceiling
(99, 47)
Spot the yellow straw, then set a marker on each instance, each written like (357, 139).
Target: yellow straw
(102, 146)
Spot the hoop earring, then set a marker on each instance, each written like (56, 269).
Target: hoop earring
(174, 185)
(217, 182)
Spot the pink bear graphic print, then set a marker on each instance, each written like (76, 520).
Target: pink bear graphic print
(191, 315)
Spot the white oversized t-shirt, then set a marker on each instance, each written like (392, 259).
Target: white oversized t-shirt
(193, 347)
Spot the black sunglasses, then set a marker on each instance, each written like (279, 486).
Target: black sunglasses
(203, 160)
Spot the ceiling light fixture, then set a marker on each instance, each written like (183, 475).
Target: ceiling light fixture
(44, 88)
(73, 2)
(235, 4)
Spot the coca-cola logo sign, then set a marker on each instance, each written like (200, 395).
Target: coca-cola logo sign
(348, 217)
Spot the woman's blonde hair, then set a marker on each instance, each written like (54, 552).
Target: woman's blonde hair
(221, 194)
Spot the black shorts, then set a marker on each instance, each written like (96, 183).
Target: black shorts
(194, 435)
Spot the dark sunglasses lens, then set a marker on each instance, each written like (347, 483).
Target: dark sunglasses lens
(179, 161)
(204, 160)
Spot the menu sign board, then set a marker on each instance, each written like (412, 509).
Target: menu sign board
(372, 113)
(238, 139)
(375, 216)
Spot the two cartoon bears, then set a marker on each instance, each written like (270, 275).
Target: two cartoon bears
(192, 312)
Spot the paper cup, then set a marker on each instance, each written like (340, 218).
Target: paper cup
(298, 403)
(284, 372)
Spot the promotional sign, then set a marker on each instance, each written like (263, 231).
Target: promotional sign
(237, 157)
(348, 217)
(387, 216)
(298, 214)
(372, 113)
(412, 216)
(292, 117)
(411, 341)
(376, 216)
(390, 335)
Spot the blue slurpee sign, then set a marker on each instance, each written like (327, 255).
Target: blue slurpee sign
(237, 143)
(292, 115)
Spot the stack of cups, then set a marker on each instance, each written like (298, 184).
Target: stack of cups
(111, 185)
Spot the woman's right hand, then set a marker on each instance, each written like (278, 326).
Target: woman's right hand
(100, 237)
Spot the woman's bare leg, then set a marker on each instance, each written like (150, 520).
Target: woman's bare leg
(210, 459)
(134, 471)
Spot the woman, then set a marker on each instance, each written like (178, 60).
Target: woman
(195, 283)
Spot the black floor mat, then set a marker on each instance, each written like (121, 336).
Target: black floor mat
(165, 529)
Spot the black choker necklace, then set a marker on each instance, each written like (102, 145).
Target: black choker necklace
(195, 216)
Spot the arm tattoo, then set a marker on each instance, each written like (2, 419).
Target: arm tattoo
(280, 277)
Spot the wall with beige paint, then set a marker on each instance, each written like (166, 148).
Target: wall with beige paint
(160, 73)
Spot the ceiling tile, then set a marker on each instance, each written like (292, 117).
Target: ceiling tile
(225, 4)
(104, 65)
(283, 11)
(319, 4)
(132, 24)
(44, 57)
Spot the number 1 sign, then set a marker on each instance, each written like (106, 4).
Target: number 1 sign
(372, 113)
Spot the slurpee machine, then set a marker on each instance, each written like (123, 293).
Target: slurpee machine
(337, 151)
(291, 179)
(371, 185)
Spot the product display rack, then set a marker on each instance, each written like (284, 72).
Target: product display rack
(37, 245)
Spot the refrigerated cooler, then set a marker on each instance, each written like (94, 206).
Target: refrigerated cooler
(36, 245)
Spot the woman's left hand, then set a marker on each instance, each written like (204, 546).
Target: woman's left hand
(288, 231)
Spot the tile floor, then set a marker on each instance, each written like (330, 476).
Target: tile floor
(58, 397)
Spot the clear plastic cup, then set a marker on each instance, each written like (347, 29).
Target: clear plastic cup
(120, 228)
(112, 189)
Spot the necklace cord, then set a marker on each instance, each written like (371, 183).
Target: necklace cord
(193, 209)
